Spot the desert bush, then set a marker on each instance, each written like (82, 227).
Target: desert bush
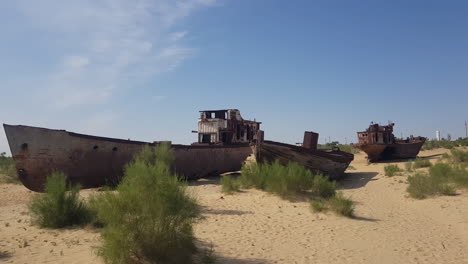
(421, 185)
(409, 166)
(208, 256)
(7, 169)
(289, 181)
(285, 181)
(341, 205)
(323, 187)
(229, 185)
(443, 179)
(149, 218)
(391, 170)
(318, 205)
(433, 144)
(421, 163)
(459, 156)
(59, 206)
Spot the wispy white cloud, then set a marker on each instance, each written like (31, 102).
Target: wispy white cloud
(101, 46)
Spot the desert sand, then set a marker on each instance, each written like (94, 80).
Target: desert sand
(257, 227)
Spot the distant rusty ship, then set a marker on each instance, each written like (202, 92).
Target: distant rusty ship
(225, 141)
(379, 143)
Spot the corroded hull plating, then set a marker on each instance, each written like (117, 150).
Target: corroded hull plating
(374, 151)
(95, 161)
(402, 150)
(398, 150)
(331, 163)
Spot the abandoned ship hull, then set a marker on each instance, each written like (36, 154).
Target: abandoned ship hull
(374, 152)
(96, 161)
(402, 150)
(330, 163)
(399, 150)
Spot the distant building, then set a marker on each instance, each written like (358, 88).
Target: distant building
(438, 135)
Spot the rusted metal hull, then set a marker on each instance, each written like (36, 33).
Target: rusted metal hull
(402, 150)
(331, 163)
(398, 150)
(96, 161)
(373, 151)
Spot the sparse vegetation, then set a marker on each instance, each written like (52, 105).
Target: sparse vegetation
(7, 169)
(292, 180)
(342, 147)
(421, 163)
(322, 187)
(409, 166)
(459, 156)
(286, 181)
(391, 170)
(229, 185)
(442, 178)
(59, 206)
(341, 205)
(148, 219)
(208, 256)
(318, 206)
(445, 143)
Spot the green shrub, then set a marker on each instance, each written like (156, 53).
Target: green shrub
(291, 180)
(150, 216)
(318, 206)
(421, 185)
(391, 170)
(421, 163)
(459, 156)
(229, 185)
(208, 256)
(433, 144)
(286, 181)
(7, 169)
(409, 166)
(58, 208)
(441, 171)
(341, 205)
(252, 176)
(322, 187)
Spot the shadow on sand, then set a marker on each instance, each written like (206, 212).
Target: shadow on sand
(408, 160)
(360, 218)
(354, 180)
(4, 255)
(206, 210)
(205, 247)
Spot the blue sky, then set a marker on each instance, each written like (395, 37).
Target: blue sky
(142, 69)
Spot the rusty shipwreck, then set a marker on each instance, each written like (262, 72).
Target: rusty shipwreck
(225, 141)
(332, 162)
(379, 143)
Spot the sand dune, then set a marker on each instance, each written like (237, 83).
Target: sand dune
(256, 227)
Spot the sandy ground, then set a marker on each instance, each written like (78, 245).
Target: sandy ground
(256, 227)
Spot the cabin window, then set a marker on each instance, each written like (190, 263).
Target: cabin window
(220, 115)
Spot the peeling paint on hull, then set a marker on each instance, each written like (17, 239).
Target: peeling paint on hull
(96, 161)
